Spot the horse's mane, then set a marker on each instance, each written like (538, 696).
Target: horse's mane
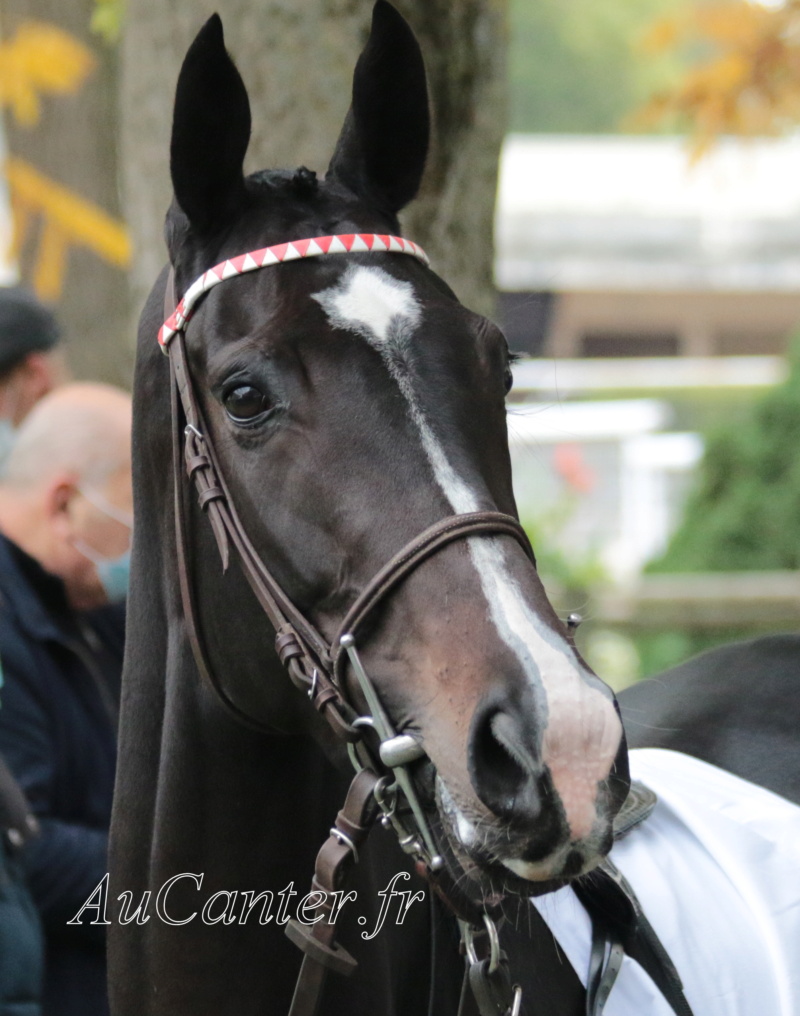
(300, 182)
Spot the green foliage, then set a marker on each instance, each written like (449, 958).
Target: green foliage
(568, 576)
(106, 21)
(578, 66)
(744, 514)
(660, 650)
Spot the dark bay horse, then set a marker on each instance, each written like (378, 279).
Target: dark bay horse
(352, 403)
(736, 706)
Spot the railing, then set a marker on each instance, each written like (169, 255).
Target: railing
(703, 600)
(547, 375)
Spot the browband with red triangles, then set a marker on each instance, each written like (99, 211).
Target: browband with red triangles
(345, 243)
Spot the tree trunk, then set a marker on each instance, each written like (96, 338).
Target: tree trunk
(75, 145)
(297, 61)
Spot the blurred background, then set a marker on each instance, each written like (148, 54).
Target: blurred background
(617, 182)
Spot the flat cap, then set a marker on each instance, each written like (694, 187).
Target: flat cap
(26, 326)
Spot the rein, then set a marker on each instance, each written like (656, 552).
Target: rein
(383, 784)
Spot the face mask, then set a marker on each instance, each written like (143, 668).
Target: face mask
(8, 438)
(113, 572)
(107, 508)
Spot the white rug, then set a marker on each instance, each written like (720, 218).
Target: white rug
(717, 870)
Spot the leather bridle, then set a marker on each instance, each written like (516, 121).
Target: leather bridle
(382, 784)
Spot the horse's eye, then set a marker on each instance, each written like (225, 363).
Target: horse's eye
(511, 359)
(245, 403)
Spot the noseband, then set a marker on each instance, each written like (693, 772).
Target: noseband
(383, 783)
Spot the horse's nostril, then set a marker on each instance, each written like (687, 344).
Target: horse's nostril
(505, 772)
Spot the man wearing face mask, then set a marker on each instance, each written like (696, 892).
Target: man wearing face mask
(31, 362)
(65, 519)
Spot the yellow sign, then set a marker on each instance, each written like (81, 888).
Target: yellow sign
(68, 220)
(40, 58)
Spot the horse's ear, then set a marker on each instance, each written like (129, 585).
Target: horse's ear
(210, 131)
(381, 151)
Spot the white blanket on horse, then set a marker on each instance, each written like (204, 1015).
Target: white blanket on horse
(717, 870)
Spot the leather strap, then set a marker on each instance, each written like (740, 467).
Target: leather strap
(214, 498)
(334, 863)
(185, 580)
(487, 989)
(302, 650)
(636, 808)
(611, 902)
(605, 964)
(424, 546)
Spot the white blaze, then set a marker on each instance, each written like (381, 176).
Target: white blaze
(583, 730)
(369, 301)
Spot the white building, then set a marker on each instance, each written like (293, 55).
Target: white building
(607, 478)
(625, 267)
(619, 246)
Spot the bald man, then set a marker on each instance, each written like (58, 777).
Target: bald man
(65, 519)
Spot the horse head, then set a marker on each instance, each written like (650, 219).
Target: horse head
(353, 402)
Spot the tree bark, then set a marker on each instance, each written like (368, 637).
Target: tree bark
(297, 61)
(75, 144)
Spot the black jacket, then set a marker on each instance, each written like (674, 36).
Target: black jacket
(58, 714)
(21, 944)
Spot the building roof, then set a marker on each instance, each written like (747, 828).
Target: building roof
(633, 213)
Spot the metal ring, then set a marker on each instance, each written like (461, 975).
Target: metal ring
(516, 1005)
(494, 943)
(363, 721)
(191, 429)
(383, 788)
(469, 944)
(312, 691)
(355, 761)
(411, 845)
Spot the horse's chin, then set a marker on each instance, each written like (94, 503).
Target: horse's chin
(480, 858)
(567, 863)
(475, 884)
(481, 870)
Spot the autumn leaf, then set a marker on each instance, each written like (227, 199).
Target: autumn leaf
(662, 35)
(748, 80)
